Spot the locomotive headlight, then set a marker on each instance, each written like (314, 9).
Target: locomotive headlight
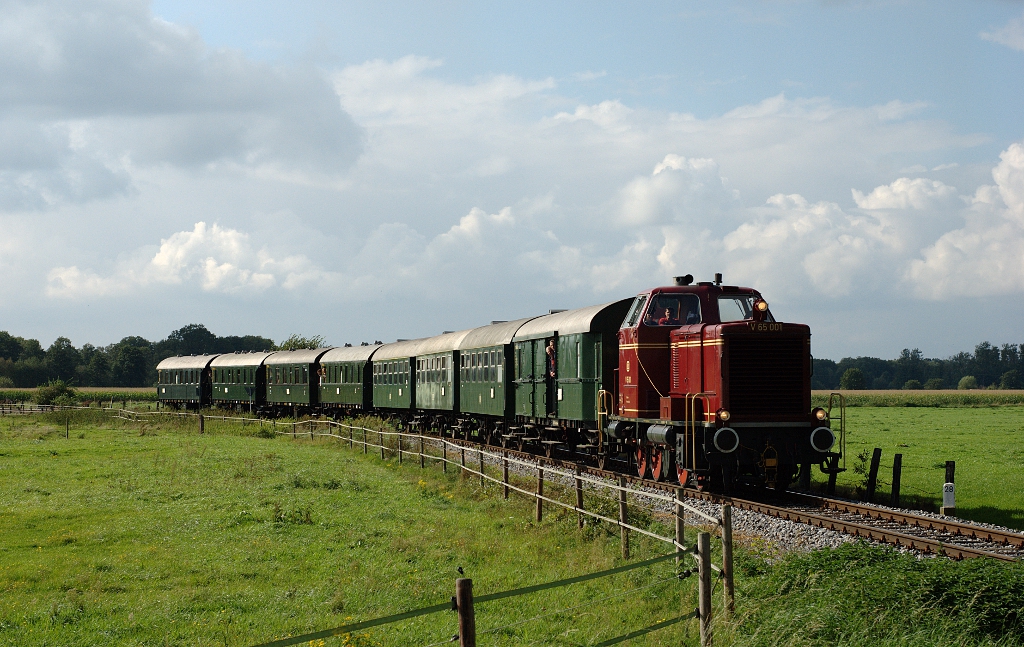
(820, 414)
(724, 415)
(761, 305)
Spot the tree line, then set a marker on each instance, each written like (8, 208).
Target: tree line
(130, 362)
(988, 366)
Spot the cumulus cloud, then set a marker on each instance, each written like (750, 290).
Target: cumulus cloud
(92, 90)
(1011, 34)
(215, 258)
(986, 256)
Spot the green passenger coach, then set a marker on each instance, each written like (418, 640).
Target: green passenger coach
(585, 348)
(484, 357)
(292, 380)
(184, 381)
(346, 383)
(239, 381)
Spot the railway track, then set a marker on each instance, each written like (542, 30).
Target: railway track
(902, 528)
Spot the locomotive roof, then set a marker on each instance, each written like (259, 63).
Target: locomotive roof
(186, 361)
(300, 356)
(425, 346)
(493, 335)
(241, 359)
(349, 353)
(581, 320)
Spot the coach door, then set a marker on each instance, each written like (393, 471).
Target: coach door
(524, 378)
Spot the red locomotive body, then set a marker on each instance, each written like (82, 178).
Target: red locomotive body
(711, 388)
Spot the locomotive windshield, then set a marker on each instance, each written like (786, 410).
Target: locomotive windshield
(673, 310)
(737, 307)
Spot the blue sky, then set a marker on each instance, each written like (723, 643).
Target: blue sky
(318, 168)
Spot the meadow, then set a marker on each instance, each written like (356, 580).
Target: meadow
(987, 444)
(152, 534)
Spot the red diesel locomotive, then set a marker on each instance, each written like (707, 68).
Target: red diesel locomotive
(712, 390)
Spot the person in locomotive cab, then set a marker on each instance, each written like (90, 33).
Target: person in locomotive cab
(668, 319)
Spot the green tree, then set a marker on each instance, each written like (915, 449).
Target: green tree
(852, 380)
(1010, 380)
(193, 339)
(297, 342)
(10, 346)
(131, 367)
(967, 382)
(935, 383)
(62, 358)
(911, 385)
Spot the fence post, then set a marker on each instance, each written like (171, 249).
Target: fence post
(579, 495)
(401, 441)
(293, 430)
(540, 490)
(623, 518)
(351, 438)
(704, 587)
(504, 472)
(680, 525)
(462, 461)
(464, 605)
(897, 468)
(480, 453)
(202, 424)
(311, 432)
(67, 428)
(364, 441)
(729, 584)
(380, 437)
(876, 456)
(421, 452)
(444, 455)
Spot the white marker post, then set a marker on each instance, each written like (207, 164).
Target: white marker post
(948, 508)
(948, 500)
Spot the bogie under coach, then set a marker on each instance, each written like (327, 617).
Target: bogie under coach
(691, 382)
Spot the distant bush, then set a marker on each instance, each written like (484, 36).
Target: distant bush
(57, 390)
(852, 380)
(967, 383)
(912, 385)
(973, 398)
(935, 384)
(6, 382)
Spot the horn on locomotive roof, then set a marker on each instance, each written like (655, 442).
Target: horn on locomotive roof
(684, 280)
(718, 278)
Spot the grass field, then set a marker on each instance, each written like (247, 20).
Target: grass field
(987, 444)
(151, 534)
(922, 398)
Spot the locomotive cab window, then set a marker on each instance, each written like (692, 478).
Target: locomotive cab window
(673, 310)
(737, 307)
(634, 312)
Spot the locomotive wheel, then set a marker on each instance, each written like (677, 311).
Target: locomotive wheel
(658, 457)
(643, 461)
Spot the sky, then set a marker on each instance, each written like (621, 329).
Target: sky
(379, 170)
